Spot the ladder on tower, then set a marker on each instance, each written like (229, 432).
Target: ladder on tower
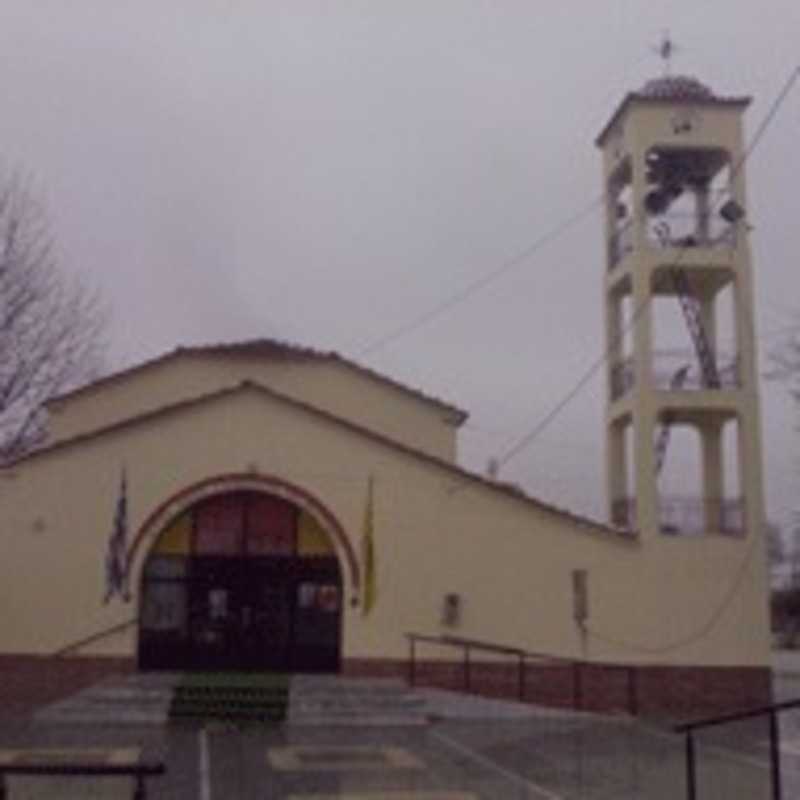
(664, 433)
(690, 306)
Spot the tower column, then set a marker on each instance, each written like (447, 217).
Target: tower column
(713, 475)
(617, 474)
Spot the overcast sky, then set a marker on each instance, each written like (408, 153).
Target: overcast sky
(326, 172)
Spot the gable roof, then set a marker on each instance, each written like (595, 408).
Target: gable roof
(585, 524)
(269, 349)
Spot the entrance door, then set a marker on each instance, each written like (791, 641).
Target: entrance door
(266, 621)
(240, 614)
(317, 616)
(215, 613)
(242, 581)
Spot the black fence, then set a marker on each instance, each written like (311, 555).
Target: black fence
(769, 713)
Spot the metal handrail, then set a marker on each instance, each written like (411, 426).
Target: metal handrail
(735, 716)
(93, 638)
(770, 711)
(138, 771)
(522, 656)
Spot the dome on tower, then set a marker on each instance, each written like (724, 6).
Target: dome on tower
(676, 87)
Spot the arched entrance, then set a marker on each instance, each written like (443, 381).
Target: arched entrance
(241, 579)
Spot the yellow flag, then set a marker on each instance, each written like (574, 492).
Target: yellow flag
(368, 553)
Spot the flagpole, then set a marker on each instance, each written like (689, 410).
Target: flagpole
(369, 590)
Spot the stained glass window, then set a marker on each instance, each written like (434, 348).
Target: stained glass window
(271, 524)
(218, 525)
(176, 537)
(312, 540)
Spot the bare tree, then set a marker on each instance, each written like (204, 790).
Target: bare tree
(51, 327)
(784, 360)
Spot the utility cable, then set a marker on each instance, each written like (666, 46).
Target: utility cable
(737, 582)
(529, 437)
(703, 630)
(481, 283)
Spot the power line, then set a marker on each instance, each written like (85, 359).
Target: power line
(481, 283)
(436, 311)
(700, 632)
(732, 591)
(529, 437)
(770, 115)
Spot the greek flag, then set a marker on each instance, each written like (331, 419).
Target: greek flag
(117, 553)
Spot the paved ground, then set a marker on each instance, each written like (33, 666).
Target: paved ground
(541, 759)
(786, 662)
(478, 751)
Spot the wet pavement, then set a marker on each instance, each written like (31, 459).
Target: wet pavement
(507, 754)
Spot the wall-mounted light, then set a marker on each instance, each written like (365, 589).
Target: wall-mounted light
(451, 610)
(580, 595)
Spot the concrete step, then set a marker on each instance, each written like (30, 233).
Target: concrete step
(334, 700)
(133, 700)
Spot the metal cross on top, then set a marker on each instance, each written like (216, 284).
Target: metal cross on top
(666, 49)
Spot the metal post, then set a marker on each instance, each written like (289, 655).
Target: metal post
(633, 694)
(3, 788)
(775, 755)
(140, 792)
(577, 688)
(466, 669)
(521, 676)
(411, 661)
(691, 779)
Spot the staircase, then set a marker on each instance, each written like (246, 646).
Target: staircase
(158, 699)
(139, 699)
(335, 700)
(230, 697)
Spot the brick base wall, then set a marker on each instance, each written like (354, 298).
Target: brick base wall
(29, 682)
(676, 692)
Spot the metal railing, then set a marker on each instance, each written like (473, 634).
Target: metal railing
(94, 638)
(770, 712)
(665, 365)
(672, 229)
(692, 516)
(620, 243)
(138, 772)
(682, 229)
(523, 659)
(622, 378)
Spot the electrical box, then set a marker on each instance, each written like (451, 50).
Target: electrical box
(580, 595)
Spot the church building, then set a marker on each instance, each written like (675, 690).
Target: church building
(265, 506)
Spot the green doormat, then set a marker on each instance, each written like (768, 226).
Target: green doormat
(238, 697)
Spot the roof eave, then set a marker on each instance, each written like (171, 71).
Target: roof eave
(636, 97)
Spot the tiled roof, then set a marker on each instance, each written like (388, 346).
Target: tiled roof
(676, 87)
(276, 350)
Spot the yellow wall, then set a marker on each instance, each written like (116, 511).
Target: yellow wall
(435, 533)
(334, 387)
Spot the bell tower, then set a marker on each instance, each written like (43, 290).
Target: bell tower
(678, 264)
